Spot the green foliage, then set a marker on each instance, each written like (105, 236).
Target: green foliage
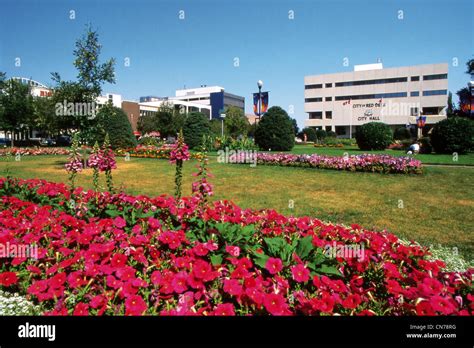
(149, 141)
(17, 108)
(321, 134)
(374, 136)
(195, 126)
(401, 133)
(296, 129)
(44, 118)
(275, 131)
(310, 134)
(453, 134)
(235, 122)
(331, 134)
(115, 122)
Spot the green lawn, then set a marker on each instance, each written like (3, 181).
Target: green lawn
(435, 207)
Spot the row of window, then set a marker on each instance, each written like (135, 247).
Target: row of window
(378, 81)
(378, 96)
(318, 115)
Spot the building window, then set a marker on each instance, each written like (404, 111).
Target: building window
(415, 78)
(340, 130)
(435, 77)
(329, 115)
(328, 99)
(371, 82)
(313, 100)
(413, 111)
(318, 115)
(435, 92)
(313, 86)
(372, 96)
(328, 128)
(328, 85)
(414, 94)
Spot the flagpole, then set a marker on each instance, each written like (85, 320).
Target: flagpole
(350, 126)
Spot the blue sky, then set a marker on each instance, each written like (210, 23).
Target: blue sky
(167, 53)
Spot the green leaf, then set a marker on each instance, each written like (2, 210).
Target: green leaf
(304, 247)
(112, 213)
(216, 259)
(325, 269)
(260, 259)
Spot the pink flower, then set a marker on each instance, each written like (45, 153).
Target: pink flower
(273, 265)
(300, 273)
(81, 309)
(135, 305)
(275, 304)
(179, 282)
(224, 309)
(233, 287)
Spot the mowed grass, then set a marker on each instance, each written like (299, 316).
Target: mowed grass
(466, 159)
(433, 208)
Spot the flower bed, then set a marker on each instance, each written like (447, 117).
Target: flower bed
(362, 163)
(150, 151)
(120, 254)
(34, 151)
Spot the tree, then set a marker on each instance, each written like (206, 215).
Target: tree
(195, 126)
(235, 122)
(16, 106)
(45, 118)
(402, 133)
(374, 136)
(275, 131)
(90, 78)
(470, 67)
(451, 107)
(148, 123)
(296, 130)
(114, 122)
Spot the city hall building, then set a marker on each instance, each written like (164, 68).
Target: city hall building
(341, 102)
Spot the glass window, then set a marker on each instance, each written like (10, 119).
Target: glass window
(415, 78)
(414, 94)
(328, 99)
(318, 115)
(313, 100)
(328, 85)
(413, 111)
(435, 77)
(313, 86)
(340, 130)
(371, 82)
(435, 92)
(329, 114)
(372, 96)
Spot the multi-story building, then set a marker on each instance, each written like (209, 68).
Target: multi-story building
(341, 102)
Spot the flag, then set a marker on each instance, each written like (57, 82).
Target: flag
(420, 121)
(264, 102)
(255, 104)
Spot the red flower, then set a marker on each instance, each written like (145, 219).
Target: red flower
(275, 304)
(273, 265)
(424, 308)
(98, 301)
(203, 270)
(179, 282)
(430, 286)
(81, 309)
(351, 301)
(58, 280)
(300, 273)
(76, 279)
(225, 309)
(135, 305)
(118, 260)
(442, 305)
(37, 287)
(8, 278)
(119, 222)
(233, 287)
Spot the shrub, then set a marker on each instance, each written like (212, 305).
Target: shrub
(374, 136)
(321, 134)
(149, 141)
(402, 133)
(425, 145)
(331, 134)
(453, 134)
(115, 122)
(195, 126)
(310, 134)
(275, 131)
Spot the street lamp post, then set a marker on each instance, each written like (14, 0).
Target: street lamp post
(260, 85)
(222, 124)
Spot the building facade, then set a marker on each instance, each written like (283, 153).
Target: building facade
(341, 102)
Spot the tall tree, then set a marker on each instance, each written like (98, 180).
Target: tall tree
(451, 106)
(235, 122)
(16, 106)
(90, 78)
